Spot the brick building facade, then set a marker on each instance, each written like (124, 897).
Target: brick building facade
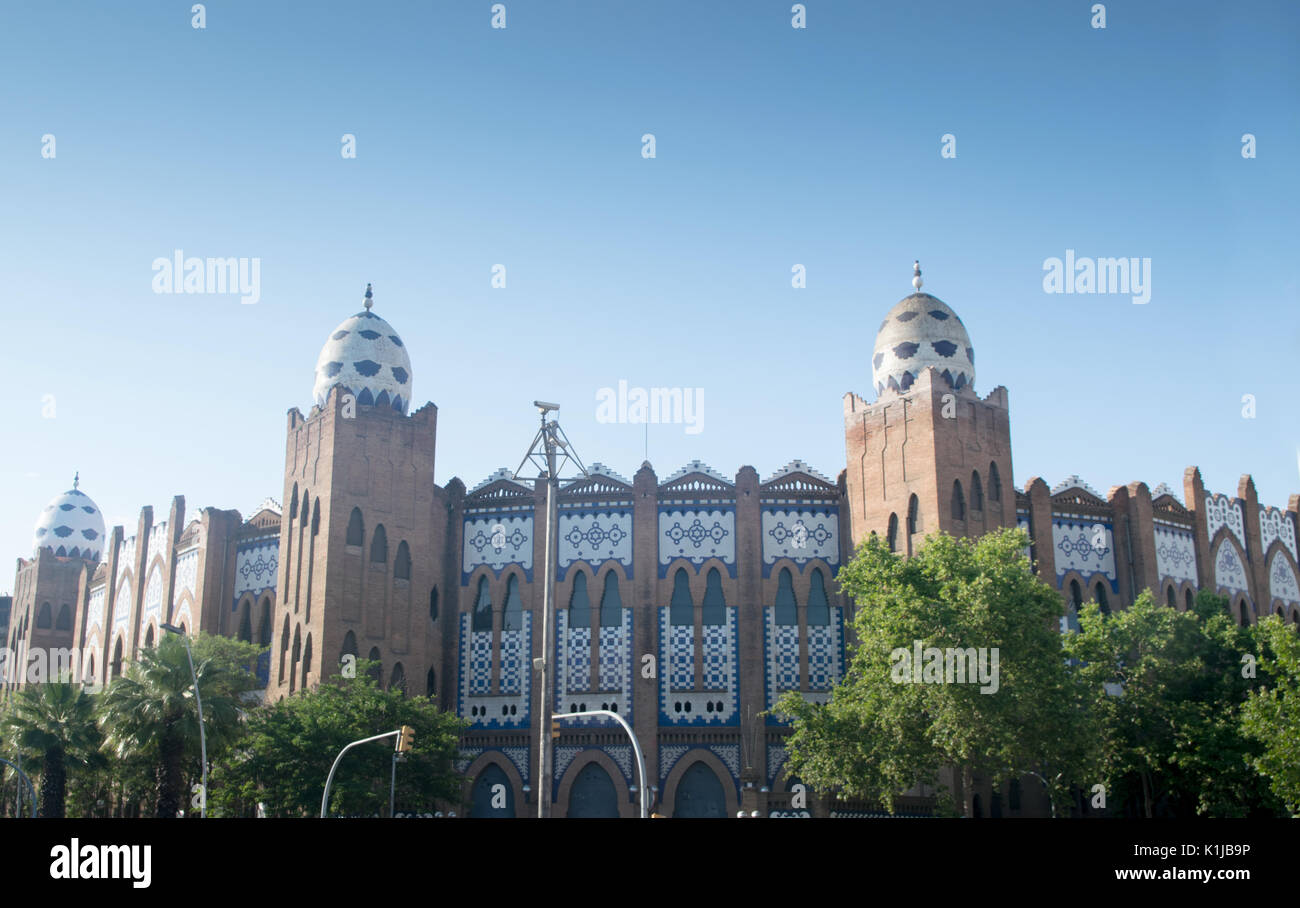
(686, 603)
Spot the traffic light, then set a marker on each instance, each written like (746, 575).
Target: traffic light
(405, 739)
(555, 730)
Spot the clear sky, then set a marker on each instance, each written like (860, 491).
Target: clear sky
(522, 146)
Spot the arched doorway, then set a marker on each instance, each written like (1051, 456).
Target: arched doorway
(593, 794)
(488, 799)
(700, 794)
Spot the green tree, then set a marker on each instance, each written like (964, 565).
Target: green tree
(291, 744)
(55, 722)
(150, 711)
(1171, 730)
(1271, 715)
(878, 737)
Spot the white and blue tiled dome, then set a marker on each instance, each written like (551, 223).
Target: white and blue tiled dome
(922, 331)
(71, 526)
(365, 356)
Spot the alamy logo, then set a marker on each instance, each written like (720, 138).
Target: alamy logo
(954, 665)
(102, 862)
(1108, 275)
(179, 274)
(681, 406)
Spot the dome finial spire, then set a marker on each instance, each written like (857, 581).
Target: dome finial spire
(370, 297)
(76, 478)
(916, 275)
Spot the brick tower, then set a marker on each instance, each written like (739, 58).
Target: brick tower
(929, 454)
(360, 542)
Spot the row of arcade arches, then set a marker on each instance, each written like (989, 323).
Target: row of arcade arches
(699, 786)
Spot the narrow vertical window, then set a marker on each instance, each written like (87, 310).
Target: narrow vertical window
(681, 610)
(785, 610)
(714, 610)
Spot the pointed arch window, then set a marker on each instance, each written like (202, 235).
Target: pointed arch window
(579, 602)
(976, 491)
(512, 618)
(433, 604)
(379, 546)
(356, 528)
(681, 608)
(246, 623)
(714, 607)
(349, 647)
(397, 680)
(819, 607)
(264, 626)
(913, 516)
(892, 536)
(1099, 593)
(482, 607)
(958, 501)
(786, 611)
(402, 563)
(376, 672)
(995, 483)
(45, 617)
(611, 603)
(64, 621)
(1170, 598)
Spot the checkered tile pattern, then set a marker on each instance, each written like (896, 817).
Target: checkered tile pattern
(681, 657)
(824, 653)
(514, 657)
(718, 670)
(781, 655)
(480, 662)
(577, 659)
(613, 653)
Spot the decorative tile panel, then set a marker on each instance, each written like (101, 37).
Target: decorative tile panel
(122, 604)
(187, 567)
(697, 535)
(1229, 572)
(825, 649)
(1084, 546)
(575, 671)
(497, 540)
(1276, 524)
(1222, 511)
(1282, 581)
(800, 535)
(680, 703)
(475, 701)
(1175, 554)
(595, 537)
(776, 756)
(95, 608)
(256, 563)
(152, 608)
(781, 657)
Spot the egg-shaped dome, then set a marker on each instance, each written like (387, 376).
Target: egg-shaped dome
(922, 331)
(71, 526)
(365, 356)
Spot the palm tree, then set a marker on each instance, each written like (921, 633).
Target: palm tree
(57, 721)
(150, 711)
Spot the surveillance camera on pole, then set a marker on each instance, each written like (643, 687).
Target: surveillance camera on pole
(551, 454)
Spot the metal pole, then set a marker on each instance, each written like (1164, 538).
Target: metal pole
(325, 798)
(636, 748)
(548, 595)
(203, 741)
(392, 786)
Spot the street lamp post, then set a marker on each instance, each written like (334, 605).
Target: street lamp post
(550, 446)
(203, 741)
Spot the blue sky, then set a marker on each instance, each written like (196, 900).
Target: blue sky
(775, 146)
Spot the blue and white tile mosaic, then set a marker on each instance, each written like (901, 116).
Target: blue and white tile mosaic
(1222, 511)
(1282, 580)
(800, 535)
(1275, 524)
(697, 535)
(1084, 546)
(1175, 553)
(1229, 573)
(497, 540)
(825, 651)
(595, 537)
(509, 707)
(256, 563)
(679, 702)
